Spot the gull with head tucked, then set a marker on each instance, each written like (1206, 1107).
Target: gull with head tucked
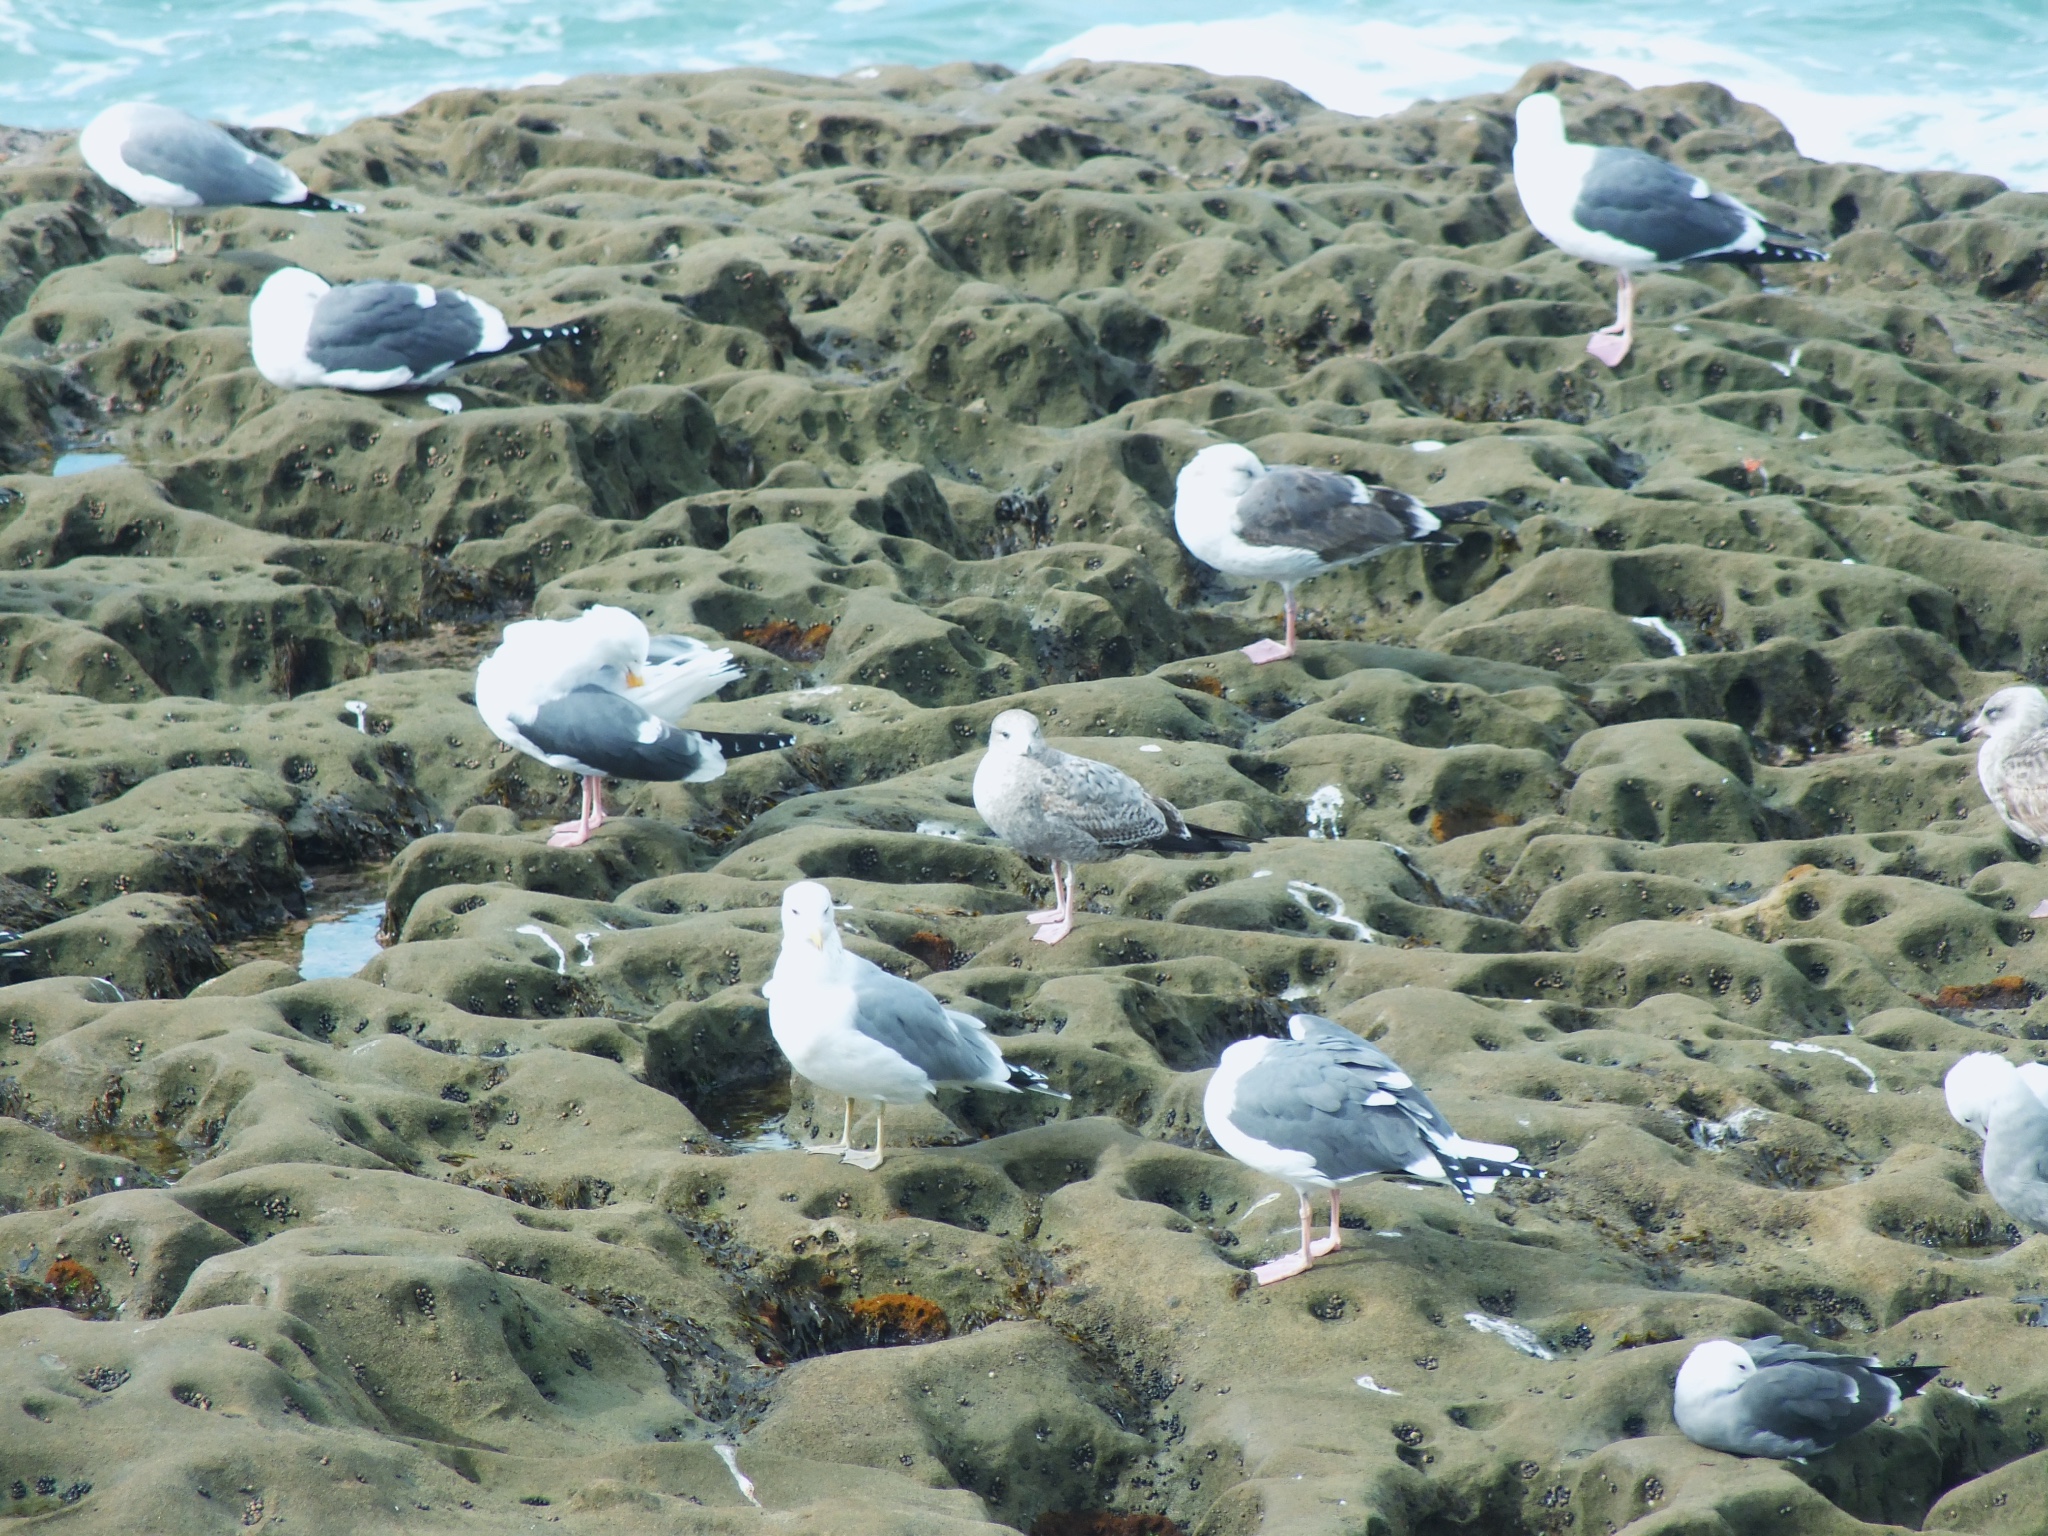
(2007, 1105)
(854, 1029)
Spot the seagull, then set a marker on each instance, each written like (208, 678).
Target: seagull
(1325, 1107)
(2008, 1107)
(596, 694)
(2012, 765)
(1633, 212)
(305, 331)
(852, 1028)
(164, 158)
(1048, 804)
(1286, 523)
(1765, 1397)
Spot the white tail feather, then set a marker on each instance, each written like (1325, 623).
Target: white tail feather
(670, 688)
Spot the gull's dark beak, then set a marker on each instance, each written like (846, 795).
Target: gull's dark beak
(1968, 729)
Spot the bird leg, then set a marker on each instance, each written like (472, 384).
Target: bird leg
(1262, 651)
(1052, 911)
(163, 256)
(574, 834)
(868, 1159)
(1335, 1240)
(1062, 921)
(845, 1141)
(1291, 1263)
(1612, 344)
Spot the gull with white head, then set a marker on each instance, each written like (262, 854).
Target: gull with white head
(2007, 1105)
(1765, 1397)
(854, 1029)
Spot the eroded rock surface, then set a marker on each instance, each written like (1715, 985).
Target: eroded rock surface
(1631, 826)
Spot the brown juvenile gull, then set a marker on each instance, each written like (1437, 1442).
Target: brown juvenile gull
(596, 694)
(164, 158)
(1764, 1397)
(1633, 212)
(853, 1029)
(1048, 804)
(1326, 1107)
(1286, 523)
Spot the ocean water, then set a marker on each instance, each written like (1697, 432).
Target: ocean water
(1905, 84)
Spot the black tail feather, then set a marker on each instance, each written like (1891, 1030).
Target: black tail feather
(319, 203)
(1460, 511)
(1031, 1080)
(1461, 1171)
(1194, 839)
(1911, 1378)
(526, 337)
(732, 746)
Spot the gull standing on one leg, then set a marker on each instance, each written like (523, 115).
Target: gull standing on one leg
(1632, 212)
(853, 1029)
(1286, 523)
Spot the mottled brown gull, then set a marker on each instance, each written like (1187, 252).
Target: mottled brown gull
(2012, 765)
(1048, 804)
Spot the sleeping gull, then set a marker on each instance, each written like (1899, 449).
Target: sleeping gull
(1765, 1397)
(1633, 212)
(596, 694)
(2008, 1107)
(305, 331)
(164, 158)
(1327, 1107)
(1048, 804)
(1286, 523)
(853, 1029)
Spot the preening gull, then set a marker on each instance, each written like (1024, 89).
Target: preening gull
(164, 158)
(1633, 212)
(596, 694)
(1765, 1397)
(305, 331)
(1048, 804)
(1325, 1107)
(853, 1029)
(1286, 523)
(2008, 1107)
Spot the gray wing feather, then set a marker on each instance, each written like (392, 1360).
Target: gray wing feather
(1104, 802)
(1338, 517)
(1654, 205)
(911, 1022)
(611, 734)
(1803, 1399)
(1317, 1096)
(205, 159)
(379, 326)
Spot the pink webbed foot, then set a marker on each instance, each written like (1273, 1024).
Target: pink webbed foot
(869, 1158)
(1287, 1264)
(1048, 915)
(568, 826)
(1061, 925)
(1323, 1245)
(1259, 652)
(572, 834)
(1610, 347)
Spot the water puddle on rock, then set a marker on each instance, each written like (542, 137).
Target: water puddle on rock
(79, 463)
(749, 1118)
(338, 935)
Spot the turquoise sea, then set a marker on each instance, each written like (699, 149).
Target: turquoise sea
(1899, 83)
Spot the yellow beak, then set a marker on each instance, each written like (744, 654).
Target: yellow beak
(817, 938)
(632, 678)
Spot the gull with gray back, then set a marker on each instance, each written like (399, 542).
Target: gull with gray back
(1326, 1107)
(1765, 1397)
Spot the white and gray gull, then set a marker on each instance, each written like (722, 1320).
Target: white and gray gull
(2012, 764)
(1326, 1107)
(2007, 1105)
(305, 331)
(854, 1029)
(164, 158)
(596, 695)
(1286, 523)
(1048, 804)
(1765, 1397)
(1633, 212)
